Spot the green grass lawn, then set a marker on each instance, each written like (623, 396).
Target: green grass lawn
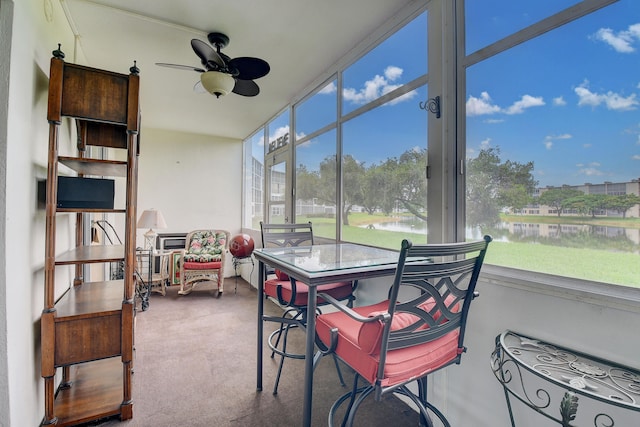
(621, 268)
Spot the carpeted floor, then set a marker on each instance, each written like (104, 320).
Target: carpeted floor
(195, 361)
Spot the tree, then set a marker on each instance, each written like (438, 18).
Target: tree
(624, 202)
(516, 198)
(557, 198)
(410, 182)
(354, 185)
(492, 185)
(307, 183)
(589, 204)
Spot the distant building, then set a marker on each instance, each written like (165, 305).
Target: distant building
(609, 188)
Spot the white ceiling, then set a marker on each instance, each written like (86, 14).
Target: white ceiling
(300, 39)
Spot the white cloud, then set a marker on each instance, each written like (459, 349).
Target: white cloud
(548, 140)
(484, 144)
(281, 131)
(392, 72)
(484, 105)
(612, 100)
(527, 101)
(329, 89)
(376, 87)
(481, 106)
(636, 157)
(590, 172)
(622, 41)
(559, 101)
(493, 121)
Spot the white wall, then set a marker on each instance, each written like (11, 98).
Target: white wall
(194, 180)
(34, 37)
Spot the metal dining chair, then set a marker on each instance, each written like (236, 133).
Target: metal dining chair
(293, 295)
(419, 329)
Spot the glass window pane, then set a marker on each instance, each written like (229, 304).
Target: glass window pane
(384, 182)
(492, 20)
(398, 60)
(316, 184)
(277, 194)
(318, 111)
(253, 186)
(553, 152)
(278, 132)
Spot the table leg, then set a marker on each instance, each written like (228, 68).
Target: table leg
(260, 325)
(308, 360)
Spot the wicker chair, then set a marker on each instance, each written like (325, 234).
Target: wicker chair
(203, 259)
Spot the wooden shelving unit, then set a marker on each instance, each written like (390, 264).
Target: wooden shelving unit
(87, 333)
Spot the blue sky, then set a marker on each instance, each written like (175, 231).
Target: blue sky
(567, 100)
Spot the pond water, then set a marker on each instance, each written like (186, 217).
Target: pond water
(608, 238)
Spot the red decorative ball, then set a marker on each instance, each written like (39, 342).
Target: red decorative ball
(241, 246)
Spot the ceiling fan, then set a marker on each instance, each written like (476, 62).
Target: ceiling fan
(222, 74)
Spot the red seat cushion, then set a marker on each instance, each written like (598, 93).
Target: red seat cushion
(339, 291)
(359, 347)
(191, 265)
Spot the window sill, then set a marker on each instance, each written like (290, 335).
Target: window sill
(596, 293)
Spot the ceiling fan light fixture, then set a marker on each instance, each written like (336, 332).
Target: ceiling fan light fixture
(217, 83)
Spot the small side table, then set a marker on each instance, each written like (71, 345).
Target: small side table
(239, 261)
(241, 247)
(539, 373)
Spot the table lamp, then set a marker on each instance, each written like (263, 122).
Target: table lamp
(151, 219)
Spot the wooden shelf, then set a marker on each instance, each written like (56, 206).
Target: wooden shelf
(95, 167)
(91, 254)
(87, 334)
(96, 392)
(90, 300)
(89, 210)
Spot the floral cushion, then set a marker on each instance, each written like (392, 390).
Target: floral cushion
(206, 246)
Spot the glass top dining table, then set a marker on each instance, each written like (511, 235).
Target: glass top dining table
(316, 265)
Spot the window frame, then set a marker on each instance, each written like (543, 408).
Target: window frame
(447, 135)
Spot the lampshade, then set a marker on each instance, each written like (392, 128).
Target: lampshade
(151, 219)
(217, 83)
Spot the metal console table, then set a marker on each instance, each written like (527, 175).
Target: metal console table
(538, 374)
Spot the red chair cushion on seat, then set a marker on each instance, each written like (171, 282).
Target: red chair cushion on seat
(190, 265)
(371, 333)
(339, 291)
(281, 275)
(358, 348)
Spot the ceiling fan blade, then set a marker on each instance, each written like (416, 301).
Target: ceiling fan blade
(249, 68)
(246, 88)
(198, 88)
(181, 67)
(207, 55)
